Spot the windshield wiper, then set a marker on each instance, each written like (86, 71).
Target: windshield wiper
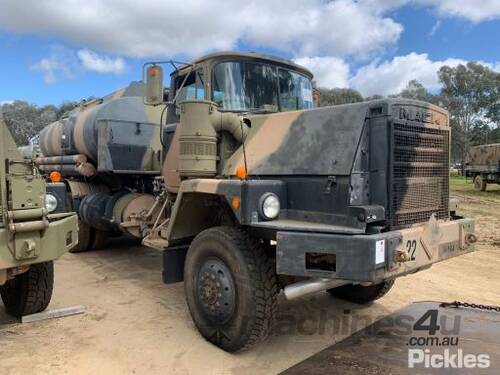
(270, 109)
(266, 108)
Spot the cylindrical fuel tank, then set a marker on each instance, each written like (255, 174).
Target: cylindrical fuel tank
(92, 211)
(78, 133)
(51, 137)
(124, 210)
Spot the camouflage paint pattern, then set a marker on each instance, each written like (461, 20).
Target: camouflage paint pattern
(484, 158)
(310, 142)
(28, 234)
(406, 250)
(117, 132)
(328, 141)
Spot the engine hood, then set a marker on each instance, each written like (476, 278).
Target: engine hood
(321, 141)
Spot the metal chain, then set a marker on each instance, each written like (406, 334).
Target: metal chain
(457, 304)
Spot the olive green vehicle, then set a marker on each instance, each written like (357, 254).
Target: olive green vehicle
(31, 238)
(259, 192)
(483, 165)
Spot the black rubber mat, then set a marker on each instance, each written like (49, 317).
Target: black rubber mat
(450, 339)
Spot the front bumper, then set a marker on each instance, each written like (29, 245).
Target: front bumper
(377, 257)
(48, 244)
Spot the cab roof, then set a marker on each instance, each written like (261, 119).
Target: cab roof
(227, 55)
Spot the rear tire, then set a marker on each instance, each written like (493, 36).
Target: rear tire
(362, 294)
(29, 292)
(99, 239)
(231, 288)
(84, 237)
(479, 183)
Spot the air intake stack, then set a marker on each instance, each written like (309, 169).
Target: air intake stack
(200, 122)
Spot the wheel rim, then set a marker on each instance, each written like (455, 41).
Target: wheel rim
(216, 292)
(477, 183)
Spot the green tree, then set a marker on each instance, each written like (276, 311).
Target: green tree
(337, 96)
(415, 90)
(471, 94)
(374, 97)
(25, 120)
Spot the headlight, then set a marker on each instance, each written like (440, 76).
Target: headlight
(50, 202)
(269, 206)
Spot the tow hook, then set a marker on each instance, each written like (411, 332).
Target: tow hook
(400, 256)
(470, 238)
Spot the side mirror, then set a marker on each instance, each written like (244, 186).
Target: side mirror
(154, 85)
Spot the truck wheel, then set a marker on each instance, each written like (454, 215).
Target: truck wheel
(362, 294)
(479, 183)
(84, 236)
(29, 292)
(231, 288)
(99, 239)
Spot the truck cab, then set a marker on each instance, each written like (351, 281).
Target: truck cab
(267, 193)
(237, 82)
(243, 82)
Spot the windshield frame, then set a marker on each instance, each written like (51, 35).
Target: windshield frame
(275, 66)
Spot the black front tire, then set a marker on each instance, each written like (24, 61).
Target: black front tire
(29, 292)
(231, 288)
(362, 294)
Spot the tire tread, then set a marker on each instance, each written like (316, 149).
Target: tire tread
(30, 292)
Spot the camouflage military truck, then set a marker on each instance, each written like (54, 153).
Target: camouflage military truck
(483, 165)
(259, 192)
(31, 236)
(103, 157)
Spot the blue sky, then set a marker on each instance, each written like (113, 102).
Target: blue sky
(51, 51)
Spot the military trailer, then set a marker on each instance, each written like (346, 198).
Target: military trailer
(483, 165)
(259, 192)
(31, 235)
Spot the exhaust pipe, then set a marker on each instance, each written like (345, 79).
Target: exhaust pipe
(310, 286)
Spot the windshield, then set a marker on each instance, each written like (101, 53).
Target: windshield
(240, 86)
(295, 91)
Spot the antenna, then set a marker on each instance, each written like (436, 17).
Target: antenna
(244, 150)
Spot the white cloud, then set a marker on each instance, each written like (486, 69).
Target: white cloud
(381, 77)
(59, 64)
(101, 64)
(390, 77)
(328, 71)
(169, 27)
(472, 10)
(320, 28)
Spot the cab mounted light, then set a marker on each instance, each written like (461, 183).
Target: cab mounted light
(241, 172)
(55, 176)
(154, 85)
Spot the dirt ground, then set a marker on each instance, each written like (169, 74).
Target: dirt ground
(134, 324)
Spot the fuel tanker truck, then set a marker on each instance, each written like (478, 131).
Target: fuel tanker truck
(32, 236)
(248, 190)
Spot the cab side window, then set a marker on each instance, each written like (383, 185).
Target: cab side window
(193, 89)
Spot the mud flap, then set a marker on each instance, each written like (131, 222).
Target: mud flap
(173, 264)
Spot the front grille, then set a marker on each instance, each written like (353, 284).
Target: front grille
(419, 175)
